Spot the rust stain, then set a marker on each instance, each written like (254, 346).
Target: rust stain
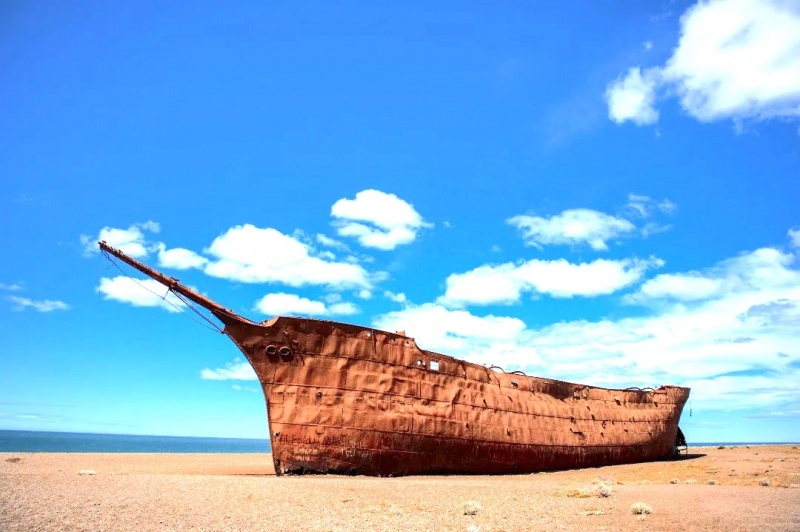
(349, 399)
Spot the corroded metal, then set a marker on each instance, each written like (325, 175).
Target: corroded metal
(349, 399)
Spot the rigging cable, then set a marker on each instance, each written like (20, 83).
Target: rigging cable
(213, 327)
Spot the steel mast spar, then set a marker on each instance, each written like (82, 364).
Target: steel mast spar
(225, 315)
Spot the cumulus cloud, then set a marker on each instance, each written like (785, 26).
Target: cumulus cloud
(289, 304)
(130, 241)
(574, 226)
(737, 59)
(765, 270)
(450, 331)
(377, 219)
(239, 370)
(632, 97)
(179, 258)
(396, 297)
(252, 254)
(344, 309)
(281, 304)
(46, 305)
(736, 347)
(504, 283)
(685, 287)
(139, 293)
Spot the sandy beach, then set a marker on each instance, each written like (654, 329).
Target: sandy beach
(738, 488)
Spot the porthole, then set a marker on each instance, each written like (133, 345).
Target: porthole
(434, 365)
(285, 351)
(271, 349)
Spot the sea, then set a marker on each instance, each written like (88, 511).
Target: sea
(76, 442)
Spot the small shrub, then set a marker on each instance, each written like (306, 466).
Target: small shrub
(14, 460)
(472, 508)
(711, 482)
(604, 491)
(764, 482)
(691, 481)
(674, 481)
(641, 508)
(721, 447)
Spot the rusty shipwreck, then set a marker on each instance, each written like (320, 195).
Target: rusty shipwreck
(349, 399)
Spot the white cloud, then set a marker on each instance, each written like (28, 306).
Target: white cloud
(344, 309)
(377, 219)
(47, 305)
(633, 97)
(364, 294)
(737, 59)
(130, 241)
(685, 287)
(574, 226)
(332, 297)
(153, 227)
(737, 348)
(254, 255)
(794, 236)
(236, 370)
(13, 287)
(397, 298)
(281, 304)
(179, 258)
(450, 331)
(765, 270)
(331, 243)
(139, 292)
(648, 45)
(504, 283)
(644, 206)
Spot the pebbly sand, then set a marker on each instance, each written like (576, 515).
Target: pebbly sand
(740, 488)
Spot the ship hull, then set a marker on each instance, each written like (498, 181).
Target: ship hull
(354, 400)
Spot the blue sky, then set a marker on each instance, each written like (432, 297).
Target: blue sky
(603, 193)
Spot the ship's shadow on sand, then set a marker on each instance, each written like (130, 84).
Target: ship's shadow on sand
(680, 458)
(689, 456)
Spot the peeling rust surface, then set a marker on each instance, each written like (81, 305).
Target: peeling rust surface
(348, 399)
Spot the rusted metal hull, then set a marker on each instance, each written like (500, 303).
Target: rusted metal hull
(348, 399)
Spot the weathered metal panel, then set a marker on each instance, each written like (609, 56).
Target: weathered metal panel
(349, 399)
(391, 413)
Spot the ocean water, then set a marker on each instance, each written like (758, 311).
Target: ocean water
(74, 442)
